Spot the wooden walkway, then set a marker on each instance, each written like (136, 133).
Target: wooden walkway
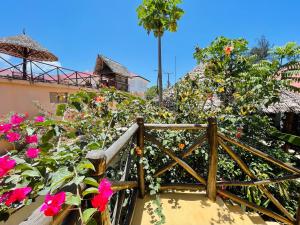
(192, 208)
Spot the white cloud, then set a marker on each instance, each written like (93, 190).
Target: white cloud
(43, 66)
(5, 57)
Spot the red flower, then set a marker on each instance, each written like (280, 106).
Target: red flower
(16, 195)
(16, 119)
(181, 146)
(238, 135)
(4, 128)
(6, 164)
(53, 203)
(32, 139)
(228, 50)
(32, 153)
(105, 192)
(13, 136)
(99, 99)
(39, 119)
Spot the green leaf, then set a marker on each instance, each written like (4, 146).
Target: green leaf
(72, 199)
(91, 181)
(90, 190)
(24, 166)
(61, 176)
(60, 109)
(85, 164)
(292, 139)
(46, 137)
(29, 131)
(87, 214)
(46, 146)
(93, 146)
(92, 221)
(76, 180)
(31, 173)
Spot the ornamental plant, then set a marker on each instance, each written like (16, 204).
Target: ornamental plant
(48, 153)
(234, 86)
(159, 16)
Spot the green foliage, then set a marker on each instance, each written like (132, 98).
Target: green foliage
(287, 53)
(292, 139)
(159, 16)
(151, 93)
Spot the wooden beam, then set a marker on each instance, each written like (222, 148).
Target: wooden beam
(182, 186)
(183, 164)
(115, 148)
(152, 126)
(245, 168)
(140, 167)
(255, 207)
(184, 154)
(122, 185)
(260, 154)
(211, 190)
(258, 182)
(131, 208)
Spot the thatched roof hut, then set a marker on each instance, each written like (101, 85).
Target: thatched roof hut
(25, 47)
(107, 65)
(289, 102)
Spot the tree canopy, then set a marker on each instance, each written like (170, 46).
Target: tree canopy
(158, 16)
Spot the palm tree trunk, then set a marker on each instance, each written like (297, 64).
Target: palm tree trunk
(160, 87)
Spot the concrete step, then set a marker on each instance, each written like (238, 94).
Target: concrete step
(189, 208)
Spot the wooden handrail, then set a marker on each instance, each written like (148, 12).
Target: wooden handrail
(260, 154)
(140, 144)
(173, 156)
(183, 155)
(245, 168)
(154, 126)
(258, 182)
(115, 148)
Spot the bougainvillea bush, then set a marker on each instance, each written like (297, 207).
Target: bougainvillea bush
(48, 153)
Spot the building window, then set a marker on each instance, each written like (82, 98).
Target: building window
(58, 97)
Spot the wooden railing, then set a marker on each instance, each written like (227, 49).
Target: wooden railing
(36, 71)
(216, 140)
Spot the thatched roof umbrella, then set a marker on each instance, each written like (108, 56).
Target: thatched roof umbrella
(23, 46)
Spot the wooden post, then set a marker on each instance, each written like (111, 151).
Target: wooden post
(100, 171)
(298, 214)
(140, 145)
(211, 190)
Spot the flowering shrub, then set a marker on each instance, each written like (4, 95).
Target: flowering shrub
(49, 151)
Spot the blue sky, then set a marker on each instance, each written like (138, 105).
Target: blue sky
(76, 31)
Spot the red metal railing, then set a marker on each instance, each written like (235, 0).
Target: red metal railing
(48, 73)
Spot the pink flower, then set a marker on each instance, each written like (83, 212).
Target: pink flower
(105, 192)
(39, 119)
(32, 153)
(6, 164)
(4, 128)
(16, 119)
(53, 203)
(32, 139)
(16, 195)
(13, 136)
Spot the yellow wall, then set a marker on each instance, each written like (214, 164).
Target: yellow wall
(18, 96)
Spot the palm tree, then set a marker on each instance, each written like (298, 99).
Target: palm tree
(159, 16)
